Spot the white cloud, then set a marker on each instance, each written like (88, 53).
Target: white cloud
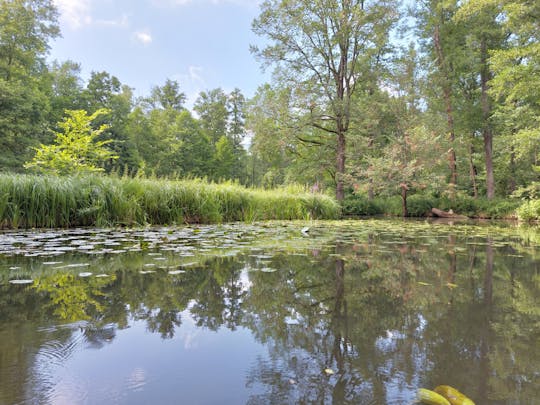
(144, 37)
(75, 13)
(121, 22)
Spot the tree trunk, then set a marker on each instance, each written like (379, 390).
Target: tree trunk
(486, 114)
(340, 166)
(447, 95)
(512, 186)
(472, 171)
(404, 209)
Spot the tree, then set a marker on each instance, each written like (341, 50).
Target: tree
(408, 162)
(443, 40)
(236, 133)
(323, 49)
(106, 91)
(76, 149)
(66, 88)
(515, 85)
(167, 96)
(26, 27)
(211, 106)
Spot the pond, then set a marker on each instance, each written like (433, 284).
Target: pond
(351, 312)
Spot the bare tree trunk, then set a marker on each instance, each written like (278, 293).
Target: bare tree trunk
(404, 189)
(340, 166)
(512, 186)
(447, 94)
(486, 113)
(472, 171)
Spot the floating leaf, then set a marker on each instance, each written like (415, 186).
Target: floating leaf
(21, 281)
(422, 283)
(87, 274)
(175, 272)
(329, 371)
(451, 285)
(268, 270)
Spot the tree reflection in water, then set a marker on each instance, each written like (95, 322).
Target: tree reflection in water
(384, 316)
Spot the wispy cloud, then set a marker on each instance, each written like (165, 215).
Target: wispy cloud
(75, 13)
(191, 83)
(121, 22)
(144, 37)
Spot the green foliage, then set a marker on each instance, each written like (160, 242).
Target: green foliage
(29, 201)
(360, 205)
(479, 208)
(420, 205)
(529, 211)
(76, 148)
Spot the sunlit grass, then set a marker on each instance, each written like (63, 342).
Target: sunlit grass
(30, 201)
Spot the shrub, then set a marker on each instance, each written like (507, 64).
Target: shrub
(360, 205)
(529, 211)
(420, 205)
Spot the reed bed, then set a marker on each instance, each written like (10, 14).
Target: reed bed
(32, 201)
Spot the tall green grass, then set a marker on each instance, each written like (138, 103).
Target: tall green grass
(30, 201)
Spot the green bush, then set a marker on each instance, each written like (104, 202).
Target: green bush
(420, 205)
(360, 205)
(529, 211)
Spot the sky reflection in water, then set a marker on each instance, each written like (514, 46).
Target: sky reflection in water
(262, 313)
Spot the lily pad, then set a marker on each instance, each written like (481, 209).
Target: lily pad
(21, 281)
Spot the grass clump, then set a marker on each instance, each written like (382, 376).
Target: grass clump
(31, 201)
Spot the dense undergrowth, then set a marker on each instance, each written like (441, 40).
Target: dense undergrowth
(29, 201)
(420, 205)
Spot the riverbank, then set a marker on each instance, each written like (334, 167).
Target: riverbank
(31, 201)
(419, 206)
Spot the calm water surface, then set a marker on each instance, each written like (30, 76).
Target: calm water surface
(355, 312)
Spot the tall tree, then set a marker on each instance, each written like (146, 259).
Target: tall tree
(515, 85)
(321, 48)
(104, 90)
(211, 106)
(442, 40)
(167, 96)
(66, 88)
(484, 35)
(236, 133)
(26, 27)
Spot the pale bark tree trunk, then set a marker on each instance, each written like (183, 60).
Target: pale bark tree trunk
(487, 132)
(472, 172)
(447, 95)
(340, 165)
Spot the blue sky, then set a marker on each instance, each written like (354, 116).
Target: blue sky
(203, 44)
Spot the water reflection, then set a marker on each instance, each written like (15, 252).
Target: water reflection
(365, 313)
